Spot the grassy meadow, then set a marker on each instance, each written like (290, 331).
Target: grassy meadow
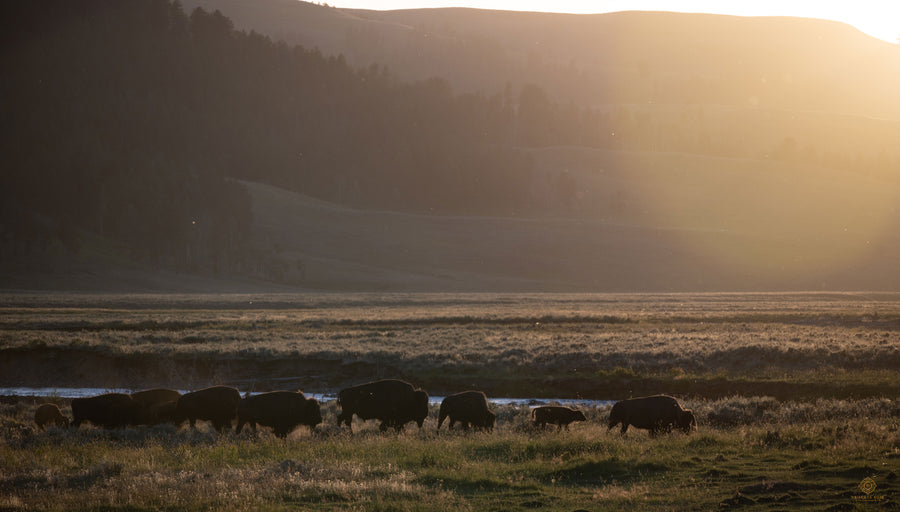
(795, 394)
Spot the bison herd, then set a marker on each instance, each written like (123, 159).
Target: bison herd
(392, 402)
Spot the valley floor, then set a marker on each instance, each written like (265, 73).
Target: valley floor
(796, 396)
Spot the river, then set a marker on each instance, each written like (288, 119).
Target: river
(321, 397)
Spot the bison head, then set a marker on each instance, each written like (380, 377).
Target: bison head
(686, 421)
(313, 412)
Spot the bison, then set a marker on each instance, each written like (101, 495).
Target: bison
(49, 414)
(281, 410)
(555, 415)
(157, 406)
(110, 410)
(217, 404)
(657, 414)
(469, 408)
(392, 401)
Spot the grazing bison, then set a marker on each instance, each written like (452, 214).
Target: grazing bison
(657, 414)
(469, 408)
(392, 401)
(281, 410)
(49, 414)
(157, 406)
(555, 415)
(217, 404)
(111, 410)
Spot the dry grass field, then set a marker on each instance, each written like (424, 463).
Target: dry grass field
(796, 396)
(547, 345)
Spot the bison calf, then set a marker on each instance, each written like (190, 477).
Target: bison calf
(217, 404)
(49, 414)
(110, 410)
(282, 410)
(657, 414)
(555, 415)
(469, 408)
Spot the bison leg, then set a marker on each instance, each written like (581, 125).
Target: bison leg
(221, 424)
(624, 428)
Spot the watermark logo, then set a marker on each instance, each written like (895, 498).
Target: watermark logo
(867, 487)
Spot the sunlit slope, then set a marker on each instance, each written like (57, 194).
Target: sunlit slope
(637, 221)
(615, 58)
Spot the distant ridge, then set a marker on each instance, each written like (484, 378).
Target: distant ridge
(624, 57)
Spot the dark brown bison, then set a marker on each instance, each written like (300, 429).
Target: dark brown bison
(392, 401)
(555, 415)
(281, 410)
(217, 404)
(49, 414)
(110, 410)
(657, 414)
(469, 408)
(157, 406)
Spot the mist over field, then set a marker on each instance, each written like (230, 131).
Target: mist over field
(279, 146)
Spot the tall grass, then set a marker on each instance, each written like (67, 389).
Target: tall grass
(816, 461)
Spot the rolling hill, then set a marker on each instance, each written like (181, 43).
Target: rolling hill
(741, 154)
(642, 222)
(615, 58)
(653, 222)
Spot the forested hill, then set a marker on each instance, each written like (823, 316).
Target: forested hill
(130, 128)
(129, 119)
(634, 57)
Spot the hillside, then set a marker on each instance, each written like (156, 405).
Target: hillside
(615, 58)
(663, 222)
(643, 222)
(815, 91)
(702, 158)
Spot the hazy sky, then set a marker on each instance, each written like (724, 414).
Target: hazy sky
(880, 18)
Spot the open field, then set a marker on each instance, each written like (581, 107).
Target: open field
(796, 396)
(790, 346)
